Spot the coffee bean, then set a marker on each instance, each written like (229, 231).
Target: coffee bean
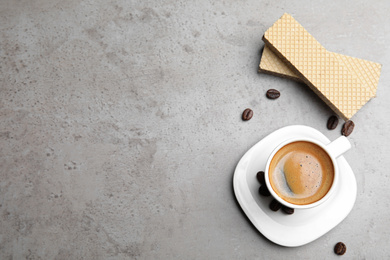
(263, 190)
(260, 177)
(275, 205)
(348, 128)
(333, 121)
(340, 248)
(247, 114)
(288, 210)
(273, 94)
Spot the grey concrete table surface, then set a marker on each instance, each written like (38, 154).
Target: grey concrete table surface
(120, 127)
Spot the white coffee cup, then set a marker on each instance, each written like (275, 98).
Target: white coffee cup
(333, 150)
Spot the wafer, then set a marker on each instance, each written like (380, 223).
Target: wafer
(323, 71)
(368, 71)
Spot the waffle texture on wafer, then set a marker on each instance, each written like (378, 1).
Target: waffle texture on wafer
(327, 73)
(368, 71)
(271, 64)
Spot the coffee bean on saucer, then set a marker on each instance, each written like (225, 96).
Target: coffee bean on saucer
(340, 248)
(275, 205)
(288, 210)
(260, 177)
(333, 121)
(263, 190)
(247, 114)
(273, 94)
(348, 128)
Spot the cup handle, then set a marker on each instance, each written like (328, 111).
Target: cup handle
(339, 146)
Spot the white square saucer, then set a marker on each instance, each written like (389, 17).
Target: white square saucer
(305, 225)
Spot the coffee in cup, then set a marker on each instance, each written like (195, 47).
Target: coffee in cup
(301, 173)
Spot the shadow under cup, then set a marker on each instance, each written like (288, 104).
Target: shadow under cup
(301, 173)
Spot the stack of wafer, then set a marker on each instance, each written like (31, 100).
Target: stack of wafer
(344, 83)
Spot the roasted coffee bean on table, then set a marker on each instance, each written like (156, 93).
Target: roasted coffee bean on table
(275, 205)
(287, 210)
(348, 128)
(260, 177)
(273, 94)
(333, 121)
(247, 114)
(340, 248)
(263, 190)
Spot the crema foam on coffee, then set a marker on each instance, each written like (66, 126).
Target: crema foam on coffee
(301, 173)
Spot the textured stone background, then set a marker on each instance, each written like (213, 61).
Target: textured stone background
(120, 126)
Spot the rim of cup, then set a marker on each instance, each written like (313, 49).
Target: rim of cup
(310, 205)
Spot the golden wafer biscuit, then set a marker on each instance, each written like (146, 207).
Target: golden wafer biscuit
(323, 71)
(368, 71)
